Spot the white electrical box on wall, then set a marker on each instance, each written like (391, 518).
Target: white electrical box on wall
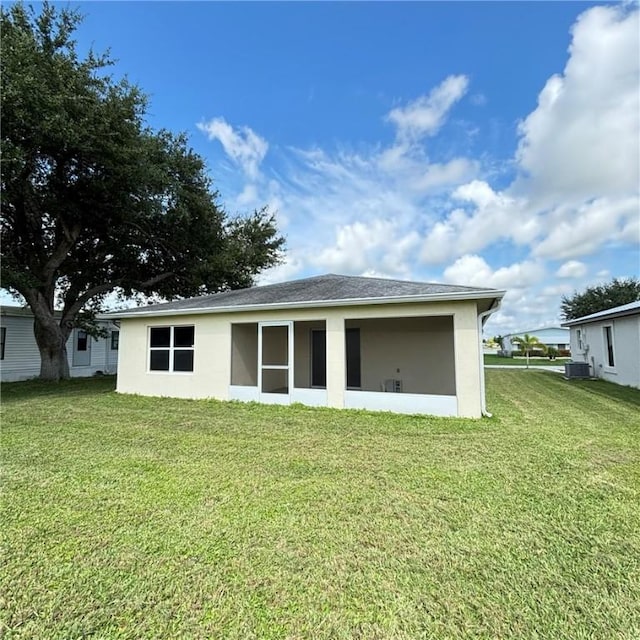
(393, 385)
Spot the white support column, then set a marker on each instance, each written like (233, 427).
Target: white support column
(465, 328)
(336, 362)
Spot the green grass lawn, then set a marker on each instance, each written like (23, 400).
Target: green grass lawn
(491, 358)
(132, 517)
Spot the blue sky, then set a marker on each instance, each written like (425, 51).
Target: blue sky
(482, 143)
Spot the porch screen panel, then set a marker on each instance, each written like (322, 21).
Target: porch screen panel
(318, 358)
(244, 354)
(275, 346)
(275, 381)
(354, 378)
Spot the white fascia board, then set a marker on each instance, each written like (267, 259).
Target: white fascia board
(352, 302)
(609, 314)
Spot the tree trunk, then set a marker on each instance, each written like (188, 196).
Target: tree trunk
(52, 343)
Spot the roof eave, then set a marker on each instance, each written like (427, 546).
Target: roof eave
(600, 318)
(275, 306)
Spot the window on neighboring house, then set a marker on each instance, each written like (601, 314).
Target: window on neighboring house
(608, 344)
(3, 339)
(115, 340)
(82, 340)
(171, 348)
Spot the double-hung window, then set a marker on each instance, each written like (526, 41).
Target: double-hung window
(171, 348)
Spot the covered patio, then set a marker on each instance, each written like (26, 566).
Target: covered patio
(395, 363)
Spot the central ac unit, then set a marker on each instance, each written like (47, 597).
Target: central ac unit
(393, 385)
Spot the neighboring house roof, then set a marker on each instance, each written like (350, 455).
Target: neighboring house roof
(13, 310)
(325, 290)
(546, 334)
(25, 312)
(630, 309)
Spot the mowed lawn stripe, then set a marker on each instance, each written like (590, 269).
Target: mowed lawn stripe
(133, 517)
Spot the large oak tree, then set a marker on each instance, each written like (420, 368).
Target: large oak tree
(93, 200)
(600, 297)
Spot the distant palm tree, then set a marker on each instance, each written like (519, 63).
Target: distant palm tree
(529, 343)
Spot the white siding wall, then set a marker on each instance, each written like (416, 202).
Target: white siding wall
(626, 344)
(21, 355)
(22, 358)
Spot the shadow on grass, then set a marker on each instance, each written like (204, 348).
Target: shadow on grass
(605, 389)
(75, 387)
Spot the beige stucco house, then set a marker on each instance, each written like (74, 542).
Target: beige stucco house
(336, 341)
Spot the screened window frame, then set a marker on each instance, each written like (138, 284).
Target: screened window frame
(171, 349)
(115, 340)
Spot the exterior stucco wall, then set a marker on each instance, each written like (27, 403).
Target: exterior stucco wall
(212, 363)
(626, 347)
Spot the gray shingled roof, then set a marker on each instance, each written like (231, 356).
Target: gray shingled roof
(325, 288)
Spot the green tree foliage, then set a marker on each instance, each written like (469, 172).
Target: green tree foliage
(528, 344)
(93, 199)
(600, 297)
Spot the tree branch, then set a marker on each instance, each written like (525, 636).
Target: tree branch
(156, 279)
(59, 254)
(69, 312)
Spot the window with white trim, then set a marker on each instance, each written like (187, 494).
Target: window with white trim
(115, 340)
(82, 340)
(579, 336)
(171, 348)
(3, 339)
(608, 345)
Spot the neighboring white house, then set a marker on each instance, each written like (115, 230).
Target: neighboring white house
(20, 358)
(337, 341)
(609, 341)
(556, 337)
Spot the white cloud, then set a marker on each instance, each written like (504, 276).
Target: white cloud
(572, 269)
(425, 115)
(493, 216)
(392, 209)
(248, 196)
(291, 266)
(242, 145)
(473, 270)
(582, 140)
(582, 230)
(578, 157)
(556, 290)
(367, 247)
(437, 175)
